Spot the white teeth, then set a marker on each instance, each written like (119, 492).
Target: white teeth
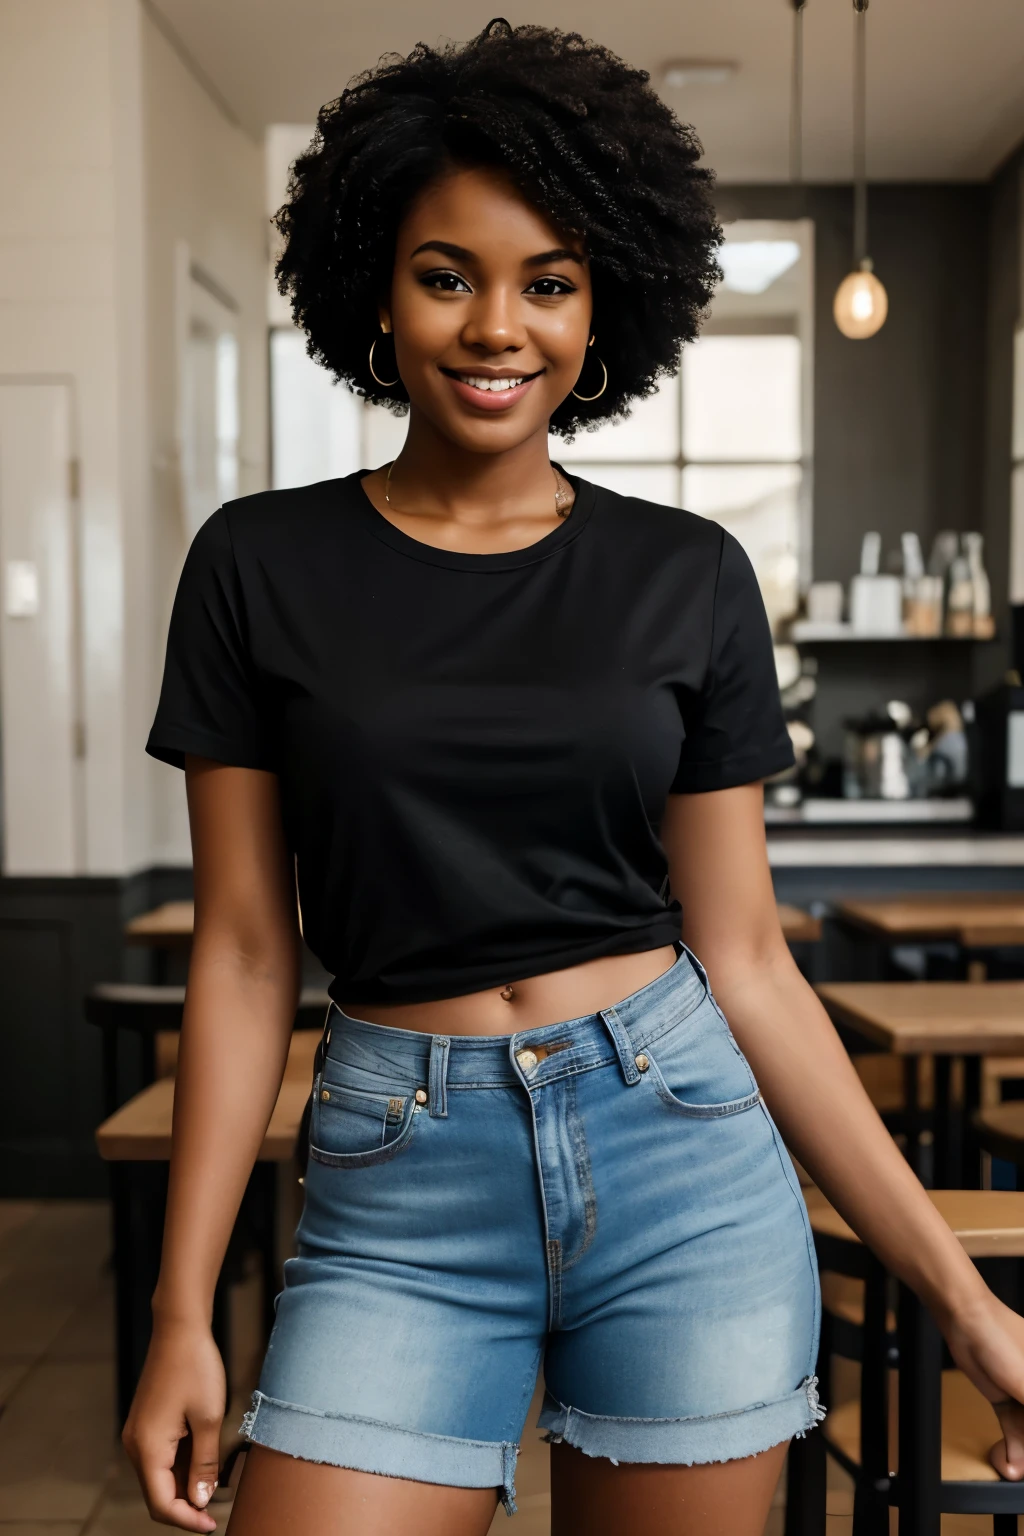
(482, 383)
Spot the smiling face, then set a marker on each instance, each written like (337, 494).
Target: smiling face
(490, 306)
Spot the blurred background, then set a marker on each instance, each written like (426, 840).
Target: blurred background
(853, 413)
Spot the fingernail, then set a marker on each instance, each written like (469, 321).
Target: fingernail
(204, 1493)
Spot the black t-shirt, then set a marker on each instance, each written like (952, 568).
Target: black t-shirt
(474, 751)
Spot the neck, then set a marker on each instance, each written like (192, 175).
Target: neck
(434, 475)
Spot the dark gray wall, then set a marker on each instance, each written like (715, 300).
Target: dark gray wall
(1003, 313)
(898, 419)
(58, 938)
(903, 432)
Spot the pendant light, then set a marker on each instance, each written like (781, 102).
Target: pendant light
(861, 303)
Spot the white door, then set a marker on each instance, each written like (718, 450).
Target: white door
(38, 693)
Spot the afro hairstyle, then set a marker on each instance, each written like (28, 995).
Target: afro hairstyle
(585, 140)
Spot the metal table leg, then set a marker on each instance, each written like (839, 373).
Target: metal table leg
(139, 1196)
(919, 1492)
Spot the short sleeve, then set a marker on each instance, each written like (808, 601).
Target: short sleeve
(735, 729)
(210, 697)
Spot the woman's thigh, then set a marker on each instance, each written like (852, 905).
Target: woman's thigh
(591, 1496)
(281, 1495)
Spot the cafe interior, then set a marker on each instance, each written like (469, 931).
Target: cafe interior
(853, 413)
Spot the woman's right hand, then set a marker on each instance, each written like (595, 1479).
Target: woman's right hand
(182, 1392)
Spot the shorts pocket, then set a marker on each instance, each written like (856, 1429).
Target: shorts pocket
(697, 1068)
(353, 1129)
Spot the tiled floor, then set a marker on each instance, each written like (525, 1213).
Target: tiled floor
(62, 1472)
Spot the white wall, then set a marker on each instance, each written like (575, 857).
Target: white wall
(68, 265)
(204, 205)
(112, 160)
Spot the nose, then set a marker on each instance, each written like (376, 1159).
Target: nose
(493, 324)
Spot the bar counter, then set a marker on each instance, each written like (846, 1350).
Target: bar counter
(828, 864)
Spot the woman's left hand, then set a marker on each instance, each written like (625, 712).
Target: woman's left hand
(987, 1343)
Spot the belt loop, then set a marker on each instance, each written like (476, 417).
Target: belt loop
(702, 974)
(615, 1027)
(439, 1048)
(323, 1042)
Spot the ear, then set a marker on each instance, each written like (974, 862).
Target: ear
(384, 316)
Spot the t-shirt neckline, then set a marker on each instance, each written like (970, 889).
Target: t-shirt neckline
(457, 560)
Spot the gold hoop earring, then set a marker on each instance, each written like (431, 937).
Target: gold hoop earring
(601, 391)
(384, 383)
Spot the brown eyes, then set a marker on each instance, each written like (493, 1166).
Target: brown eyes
(453, 282)
(446, 282)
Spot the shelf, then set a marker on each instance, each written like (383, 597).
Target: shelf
(807, 632)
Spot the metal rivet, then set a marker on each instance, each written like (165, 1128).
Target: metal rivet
(527, 1060)
(421, 1096)
(325, 1095)
(642, 1062)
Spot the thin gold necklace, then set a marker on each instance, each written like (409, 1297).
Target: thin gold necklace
(563, 495)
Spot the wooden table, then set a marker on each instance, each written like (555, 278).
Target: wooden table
(972, 919)
(989, 1222)
(140, 1131)
(166, 927)
(136, 1140)
(798, 926)
(944, 1019)
(170, 926)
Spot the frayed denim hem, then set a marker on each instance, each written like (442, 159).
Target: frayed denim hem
(686, 1442)
(367, 1445)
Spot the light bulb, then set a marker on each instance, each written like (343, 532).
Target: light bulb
(861, 304)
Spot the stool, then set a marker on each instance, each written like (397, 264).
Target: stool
(945, 1427)
(150, 1011)
(135, 1141)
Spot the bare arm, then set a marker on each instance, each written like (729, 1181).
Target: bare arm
(239, 1009)
(719, 872)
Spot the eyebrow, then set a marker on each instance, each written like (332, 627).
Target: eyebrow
(459, 253)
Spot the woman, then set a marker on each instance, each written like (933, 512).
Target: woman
(510, 729)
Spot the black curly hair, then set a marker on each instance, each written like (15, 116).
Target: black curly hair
(584, 138)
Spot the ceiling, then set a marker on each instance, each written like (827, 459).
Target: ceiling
(945, 77)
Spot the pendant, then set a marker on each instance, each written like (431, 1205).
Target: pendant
(506, 992)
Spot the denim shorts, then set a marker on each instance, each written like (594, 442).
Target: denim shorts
(607, 1196)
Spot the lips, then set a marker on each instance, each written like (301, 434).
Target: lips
(490, 392)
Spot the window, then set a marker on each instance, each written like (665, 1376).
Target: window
(209, 395)
(730, 437)
(319, 429)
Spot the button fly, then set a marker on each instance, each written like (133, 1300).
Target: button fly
(527, 1060)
